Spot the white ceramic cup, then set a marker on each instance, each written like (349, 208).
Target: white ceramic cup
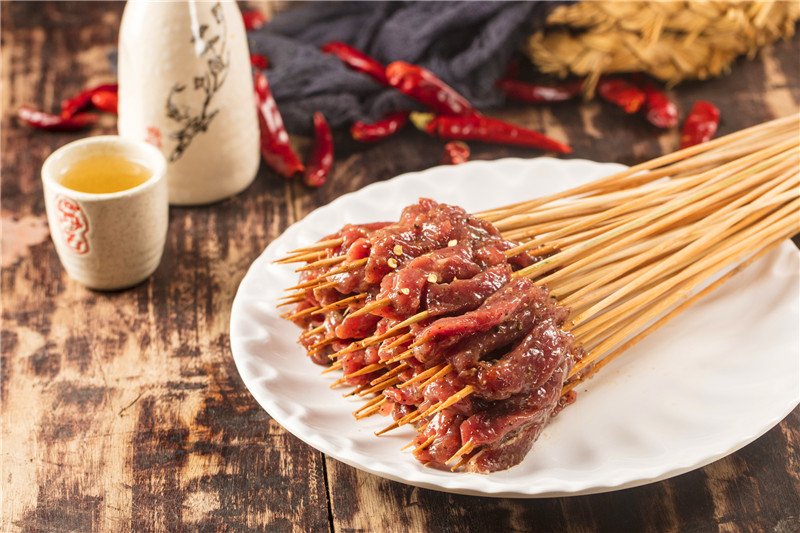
(107, 241)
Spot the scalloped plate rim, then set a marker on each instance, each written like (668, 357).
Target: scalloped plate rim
(453, 482)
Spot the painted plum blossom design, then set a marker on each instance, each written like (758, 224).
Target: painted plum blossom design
(213, 47)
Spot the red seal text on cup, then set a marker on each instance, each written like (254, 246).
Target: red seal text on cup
(73, 223)
(153, 136)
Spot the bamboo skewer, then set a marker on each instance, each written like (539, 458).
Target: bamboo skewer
(425, 444)
(321, 263)
(601, 362)
(347, 267)
(340, 304)
(443, 371)
(377, 401)
(657, 196)
(320, 245)
(623, 284)
(299, 258)
(634, 175)
(668, 212)
(397, 423)
(313, 331)
(466, 448)
(366, 370)
(423, 376)
(628, 252)
(770, 234)
(380, 386)
(404, 355)
(652, 249)
(700, 270)
(390, 374)
(368, 308)
(399, 340)
(714, 238)
(370, 411)
(293, 299)
(457, 397)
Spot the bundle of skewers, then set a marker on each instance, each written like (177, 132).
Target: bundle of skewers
(476, 328)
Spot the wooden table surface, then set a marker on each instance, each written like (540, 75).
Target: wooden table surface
(124, 411)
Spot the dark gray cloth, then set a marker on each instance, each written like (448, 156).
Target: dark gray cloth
(466, 44)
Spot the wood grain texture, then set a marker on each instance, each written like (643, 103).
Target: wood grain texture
(124, 411)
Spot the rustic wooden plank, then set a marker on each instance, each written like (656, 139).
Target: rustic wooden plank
(124, 411)
(754, 489)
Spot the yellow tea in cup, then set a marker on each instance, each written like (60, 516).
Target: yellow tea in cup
(107, 208)
(104, 173)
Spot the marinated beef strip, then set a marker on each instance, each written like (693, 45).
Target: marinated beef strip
(502, 432)
(354, 246)
(444, 426)
(515, 355)
(462, 295)
(507, 430)
(354, 361)
(442, 282)
(425, 227)
(527, 366)
(405, 287)
(432, 244)
(499, 336)
(503, 309)
(357, 327)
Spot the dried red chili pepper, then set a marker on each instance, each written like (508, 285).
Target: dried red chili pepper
(357, 60)
(622, 93)
(480, 128)
(659, 110)
(70, 106)
(259, 61)
(253, 19)
(321, 159)
(49, 122)
(275, 147)
(701, 124)
(425, 87)
(536, 93)
(376, 131)
(455, 153)
(106, 101)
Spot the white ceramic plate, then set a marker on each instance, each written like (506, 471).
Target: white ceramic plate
(709, 382)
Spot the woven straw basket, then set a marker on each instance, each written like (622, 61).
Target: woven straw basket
(672, 41)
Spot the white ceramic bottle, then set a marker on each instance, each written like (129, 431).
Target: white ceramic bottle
(185, 86)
